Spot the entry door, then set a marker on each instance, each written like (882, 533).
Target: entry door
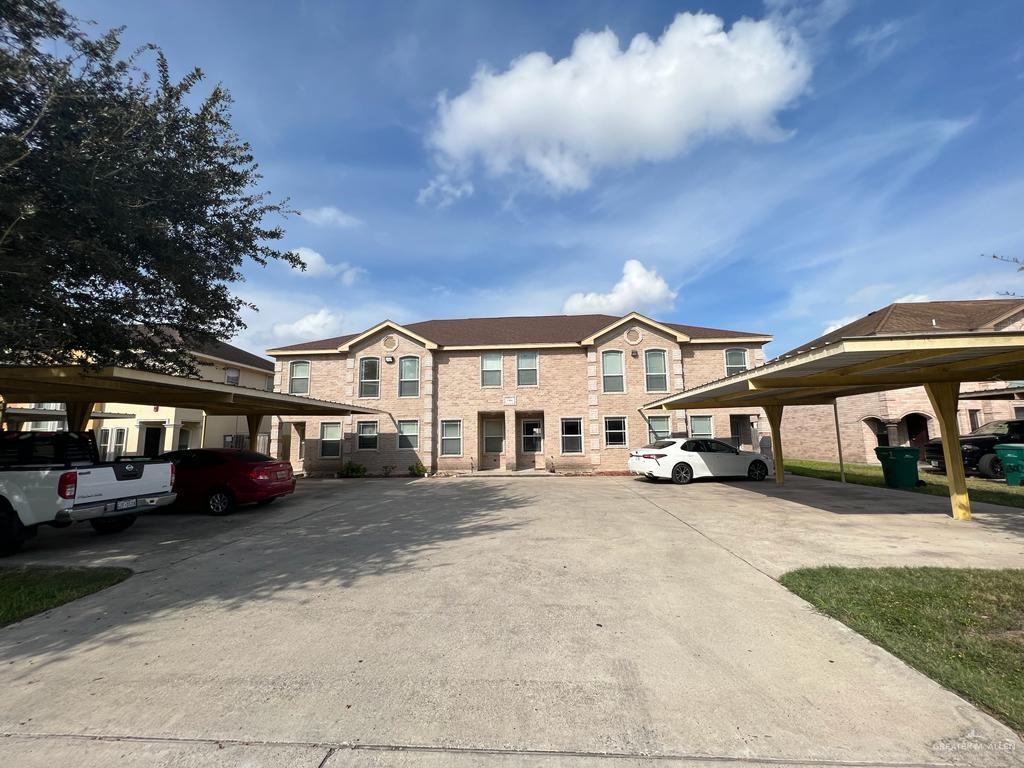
(493, 443)
(152, 441)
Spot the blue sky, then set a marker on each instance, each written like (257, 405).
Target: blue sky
(780, 174)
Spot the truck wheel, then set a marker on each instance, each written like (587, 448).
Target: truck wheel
(117, 524)
(991, 466)
(12, 532)
(220, 502)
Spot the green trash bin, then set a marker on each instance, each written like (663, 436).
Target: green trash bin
(899, 465)
(1012, 457)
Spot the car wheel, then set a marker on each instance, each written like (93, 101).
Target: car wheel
(682, 473)
(990, 466)
(757, 470)
(266, 502)
(220, 502)
(117, 524)
(12, 532)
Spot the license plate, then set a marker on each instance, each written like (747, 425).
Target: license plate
(934, 463)
(126, 504)
(282, 474)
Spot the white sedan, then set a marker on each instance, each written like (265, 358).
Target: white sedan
(681, 460)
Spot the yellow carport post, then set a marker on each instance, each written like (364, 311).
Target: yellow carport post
(944, 396)
(774, 414)
(253, 420)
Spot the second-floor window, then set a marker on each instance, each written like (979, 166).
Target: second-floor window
(369, 377)
(657, 370)
(735, 361)
(408, 377)
(232, 376)
(298, 378)
(526, 369)
(490, 369)
(613, 377)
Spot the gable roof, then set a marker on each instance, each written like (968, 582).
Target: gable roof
(497, 331)
(233, 354)
(921, 317)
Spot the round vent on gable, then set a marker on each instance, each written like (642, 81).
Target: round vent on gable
(390, 342)
(634, 336)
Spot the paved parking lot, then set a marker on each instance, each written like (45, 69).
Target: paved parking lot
(504, 621)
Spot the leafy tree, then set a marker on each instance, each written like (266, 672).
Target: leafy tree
(128, 204)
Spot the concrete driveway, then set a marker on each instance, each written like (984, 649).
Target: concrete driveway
(496, 622)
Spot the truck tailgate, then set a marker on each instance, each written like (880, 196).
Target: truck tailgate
(122, 480)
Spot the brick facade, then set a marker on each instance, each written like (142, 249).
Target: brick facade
(569, 387)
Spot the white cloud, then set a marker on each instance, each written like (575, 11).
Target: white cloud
(837, 324)
(442, 191)
(639, 289)
(603, 107)
(316, 325)
(912, 298)
(878, 42)
(329, 216)
(318, 266)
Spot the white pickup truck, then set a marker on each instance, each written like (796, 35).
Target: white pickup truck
(56, 478)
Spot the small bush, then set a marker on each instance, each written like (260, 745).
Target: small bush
(388, 469)
(351, 469)
(417, 469)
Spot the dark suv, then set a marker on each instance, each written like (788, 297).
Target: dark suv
(978, 448)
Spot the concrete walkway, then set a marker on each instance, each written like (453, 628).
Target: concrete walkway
(495, 622)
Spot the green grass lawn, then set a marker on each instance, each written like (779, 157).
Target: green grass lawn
(978, 488)
(962, 627)
(31, 589)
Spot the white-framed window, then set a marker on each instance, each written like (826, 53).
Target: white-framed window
(298, 377)
(974, 418)
(120, 436)
(494, 436)
(104, 446)
(615, 431)
(330, 439)
(184, 438)
(369, 377)
(232, 376)
(490, 369)
(263, 443)
(451, 438)
(656, 369)
(735, 361)
(366, 435)
(409, 434)
(526, 369)
(533, 436)
(228, 441)
(572, 435)
(409, 376)
(658, 428)
(702, 426)
(613, 378)
(268, 383)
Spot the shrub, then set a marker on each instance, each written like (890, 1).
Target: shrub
(351, 469)
(417, 469)
(388, 469)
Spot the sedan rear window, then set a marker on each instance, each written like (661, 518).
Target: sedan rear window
(252, 457)
(661, 444)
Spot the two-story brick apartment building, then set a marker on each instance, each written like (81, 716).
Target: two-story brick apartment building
(561, 392)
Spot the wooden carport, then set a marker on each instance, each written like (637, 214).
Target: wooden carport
(80, 388)
(849, 366)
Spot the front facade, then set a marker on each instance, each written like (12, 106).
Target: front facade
(902, 417)
(558, 393)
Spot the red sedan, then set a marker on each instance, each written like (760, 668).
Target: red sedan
(219, 479)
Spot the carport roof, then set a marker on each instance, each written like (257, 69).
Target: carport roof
(76, 384)
(851, 366)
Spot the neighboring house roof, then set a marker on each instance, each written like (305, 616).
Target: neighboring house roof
(226, 352)
(922, 317)
(496, 331)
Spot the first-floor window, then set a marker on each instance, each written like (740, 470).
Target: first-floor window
(104, 443)
(263, 443)
(451, 438)
(614, 431)
(366, 435)
(229, 441)
(658, 427)
(409, 434)
(532, 437)
(494, 436)
(183, 439)
(120, 435)
(572, 435)
(330, 439)
(701, 426)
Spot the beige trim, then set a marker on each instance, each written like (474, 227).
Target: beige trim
(635, 317)
(475, 347)
(734, 340)
(235, 363)
(300, 352)
(381, 326)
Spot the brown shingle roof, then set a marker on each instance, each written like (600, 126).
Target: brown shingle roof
(542, 329)
(920, 317)
(233, 354)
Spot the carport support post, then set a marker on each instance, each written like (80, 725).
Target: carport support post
(944, 396)
(774, 414)
(78, 415)
(839, 441)
(253, 420)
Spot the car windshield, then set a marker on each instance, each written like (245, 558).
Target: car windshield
(661, 444)
(993, 428)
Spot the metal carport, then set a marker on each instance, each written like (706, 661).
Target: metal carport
(80, 388)
(855, 365)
